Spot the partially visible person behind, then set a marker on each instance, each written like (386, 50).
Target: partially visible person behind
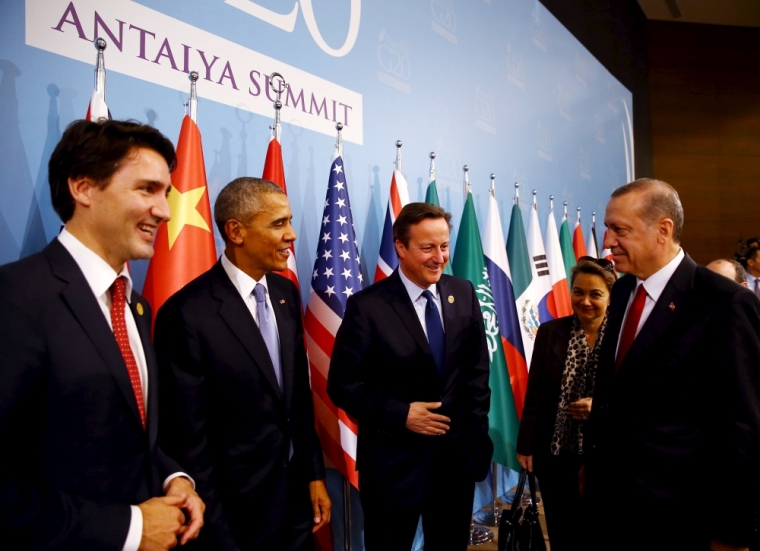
(731, 269)
(753, 243)
(559, 397)
(753, 270)
(78, 386)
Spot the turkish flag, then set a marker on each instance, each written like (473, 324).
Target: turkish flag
(274, 172)
(184, 246)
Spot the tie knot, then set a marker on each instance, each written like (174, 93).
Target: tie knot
(260, 293)
(119, 289)
(428, 295)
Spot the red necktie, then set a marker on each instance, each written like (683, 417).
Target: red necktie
(118, 306)
(631, 324)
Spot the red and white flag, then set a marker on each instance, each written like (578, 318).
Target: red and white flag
(274, 172)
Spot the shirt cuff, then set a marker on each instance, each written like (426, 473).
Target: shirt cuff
(134, 536)
(175, 475)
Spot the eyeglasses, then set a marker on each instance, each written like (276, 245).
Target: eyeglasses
(603, 263)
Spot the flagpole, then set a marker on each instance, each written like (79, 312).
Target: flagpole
(398, 155)
(100, 68)
(565, 210)
(339, 140)
(466, 169)
(192, 102)
(535, 204)
(579, 216)
(551, 204)
(517, 194)
(281, 87)
(432, 166)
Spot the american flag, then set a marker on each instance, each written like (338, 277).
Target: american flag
(336, 276)
(387, 260)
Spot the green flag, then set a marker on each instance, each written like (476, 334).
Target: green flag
(431, 198)
(470, 264)
(568, 253)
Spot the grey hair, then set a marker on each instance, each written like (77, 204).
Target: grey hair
(740, 274)
(241, 200)
(660, 201)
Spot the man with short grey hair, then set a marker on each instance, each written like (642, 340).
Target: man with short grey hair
(731, 269)
(238, 408)
(677, 390)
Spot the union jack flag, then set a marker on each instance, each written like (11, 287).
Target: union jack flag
(336, 276)
(387, 260)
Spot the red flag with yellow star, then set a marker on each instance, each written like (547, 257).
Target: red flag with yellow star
(184, 246)
(274, 172)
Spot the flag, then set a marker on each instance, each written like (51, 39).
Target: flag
(184, 246)
(606, 253)
(469, 263)
(337, 276)
(592, 248)
(500, 277)
(560, 289)
(522, 282)
(431, 198)
(566, 245)
(387, 260)
(97, 109)
(539, 268)
(579, 245)
(274, 172)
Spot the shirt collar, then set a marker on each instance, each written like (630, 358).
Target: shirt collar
(241, 280)
(414, 290)
(98, 273)
(655, 284)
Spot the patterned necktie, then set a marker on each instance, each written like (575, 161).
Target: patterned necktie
(435, 332)
(118, 307)
(268, 329)
(628, 334)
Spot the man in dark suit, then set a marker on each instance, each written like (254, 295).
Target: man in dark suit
(675, 424)
(410, 363)
(236, 401)
(80, 467)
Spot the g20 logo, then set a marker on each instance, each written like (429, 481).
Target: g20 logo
(394, 56)
(287, 21)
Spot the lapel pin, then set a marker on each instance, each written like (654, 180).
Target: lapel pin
(140, 309)
(282, 301)
(672, 307)
(451, 299)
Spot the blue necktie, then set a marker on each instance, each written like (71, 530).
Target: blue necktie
(435, 332)
(268, 329)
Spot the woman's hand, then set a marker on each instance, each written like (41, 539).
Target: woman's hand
(580, 410)
(526, 461)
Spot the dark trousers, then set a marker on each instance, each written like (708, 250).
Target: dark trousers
(563, 506)
(445, 506)
(279, 517)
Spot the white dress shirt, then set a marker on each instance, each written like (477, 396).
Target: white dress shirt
(100, 276)
(244, 285)
(654, 285)
(420, 302)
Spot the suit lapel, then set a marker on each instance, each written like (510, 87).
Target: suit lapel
(85, 308)
(286, 327)
(562, 340)
(663, 316)
(402, 304)
(240, 322)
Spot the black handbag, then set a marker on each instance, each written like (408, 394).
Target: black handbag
(519, 530)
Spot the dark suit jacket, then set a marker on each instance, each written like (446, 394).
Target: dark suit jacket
(681, 414)
(75, 455)
(544, 382)
(223, 412)
(381, 362)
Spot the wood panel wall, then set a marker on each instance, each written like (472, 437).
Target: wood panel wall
(704, 98)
